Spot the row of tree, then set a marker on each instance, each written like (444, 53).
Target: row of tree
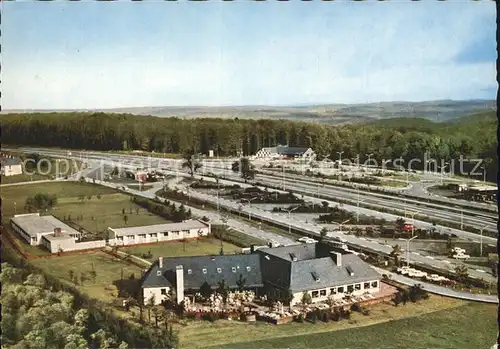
(408, 138)
(166, 210)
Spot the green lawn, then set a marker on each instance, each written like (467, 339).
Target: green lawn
(438, 323)
(98, 214)
(108, 270)
(202, 247)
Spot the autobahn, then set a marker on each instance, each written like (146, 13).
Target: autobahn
(446, 213)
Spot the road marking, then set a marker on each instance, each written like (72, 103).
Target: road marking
(480, 270)
(444, 261)
(416, 253)
(430, 257)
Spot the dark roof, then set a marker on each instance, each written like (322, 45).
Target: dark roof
(301, 251)
(329, 274)
(196, 278)
(290, 150)
(312, 269)
(10, 161)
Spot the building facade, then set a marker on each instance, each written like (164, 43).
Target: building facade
(306, 268)
(51, 233)
(188, 229)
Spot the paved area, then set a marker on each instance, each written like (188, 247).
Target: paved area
(444, 291)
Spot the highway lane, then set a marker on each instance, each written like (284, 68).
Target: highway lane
(444, 291)
(225, 164)
(314, 229)
(469, 217)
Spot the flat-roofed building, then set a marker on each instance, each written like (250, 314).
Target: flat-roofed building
(31, 227)
(188, 229)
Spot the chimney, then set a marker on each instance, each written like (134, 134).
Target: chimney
(179, 282)
(252, 248)
(160, 262)
(57, 232)
(337, 257)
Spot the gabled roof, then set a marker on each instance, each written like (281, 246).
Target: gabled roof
(288, 151)
(329, 274)
(248, 266)
(313, 268)
(300, 251)
(11, 161)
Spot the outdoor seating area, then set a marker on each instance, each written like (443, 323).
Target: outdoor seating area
(246, 306)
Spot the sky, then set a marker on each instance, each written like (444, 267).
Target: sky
(64, 55)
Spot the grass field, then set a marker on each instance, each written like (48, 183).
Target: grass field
(108, 270)
(207, 246)
(106, 211)
(438, 323)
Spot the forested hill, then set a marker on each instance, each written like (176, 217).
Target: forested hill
(471, 136)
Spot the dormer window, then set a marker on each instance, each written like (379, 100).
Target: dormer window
(190, 271)
(204, 270)
(219, 270)
(158, 273)
(248, 268)
(315, 276)
(233, 269)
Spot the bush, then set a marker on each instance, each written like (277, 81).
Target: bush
(300, 318)
(335, 316)
(212, 317)
(326, 317)
(355, 307)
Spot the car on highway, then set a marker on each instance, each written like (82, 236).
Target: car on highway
(417, 273)
(461, 256)
(436, 278)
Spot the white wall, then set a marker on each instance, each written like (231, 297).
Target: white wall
(297, 297)
(151, 238)
(156, 291)
(12, 170)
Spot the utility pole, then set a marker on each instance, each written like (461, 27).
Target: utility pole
(481, 242)
(340, 224)
(340, 162)
(369, 158)
(249, 212)
(461, 219)
(408, 249)
(290, 220)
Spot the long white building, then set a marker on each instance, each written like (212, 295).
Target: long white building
(286, 152)
(188, 229)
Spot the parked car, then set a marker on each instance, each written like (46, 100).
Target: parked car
(436, 278)
(417, 273)
(461, 256)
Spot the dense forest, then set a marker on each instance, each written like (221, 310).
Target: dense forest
(473, 136)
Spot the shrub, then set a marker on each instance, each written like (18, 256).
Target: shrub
(335, 316)
(355, 307)
(326, 317)
(300, 318)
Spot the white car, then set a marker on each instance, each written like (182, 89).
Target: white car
(461, 256)
(436, 277)
(417, 273)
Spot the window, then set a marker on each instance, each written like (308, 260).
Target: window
(315, 294)
(322, 293)
(163, 291)
(190, 271)
(248, 268)
(204, 271)
(357, 287)
(158, 273)
(341, 289)
(375, 284)
(333, 291)
(120, 238)
(350, 288)
(366, 285)
(165, 233)
(233, 269)
(219, 270)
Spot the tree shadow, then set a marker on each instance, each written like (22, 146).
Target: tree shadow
(127, 287)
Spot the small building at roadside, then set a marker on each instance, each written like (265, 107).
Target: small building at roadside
(10, 165)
